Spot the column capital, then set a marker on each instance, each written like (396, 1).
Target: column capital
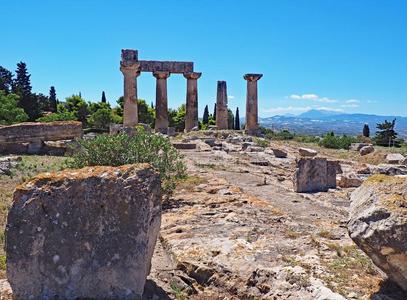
(192, 75)
(252, 77)
(161, 74)
(132, 70)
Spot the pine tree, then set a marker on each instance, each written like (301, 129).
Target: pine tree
(214, 113)
(103, 97)
(6, 80)
(237, 119)
(22, 87)
(53, 99)
(205, 118)
(386, 135)
(366, 130)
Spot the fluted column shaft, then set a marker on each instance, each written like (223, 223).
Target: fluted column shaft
(161, 102)
(191, 118)
(130, 111)
(252, 122)
(221, 106)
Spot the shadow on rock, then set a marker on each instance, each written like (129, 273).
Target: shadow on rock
(389, 291)
(153, 291)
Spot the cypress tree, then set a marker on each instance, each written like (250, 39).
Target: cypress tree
(214, 113)
(22, 87)
(237, 119)
(6, 80)
(366, 130)
(103, 97)
(53, 99)
(205, 118)
(152, 105)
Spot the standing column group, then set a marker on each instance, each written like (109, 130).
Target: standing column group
(252, 122)
(161, 104)
(191, 119)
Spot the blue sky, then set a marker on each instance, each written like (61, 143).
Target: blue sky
(348, 55)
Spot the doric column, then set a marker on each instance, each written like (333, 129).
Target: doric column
(191, 119)
(221, 106)
(130, 68)
(161, 102)
(252, 123)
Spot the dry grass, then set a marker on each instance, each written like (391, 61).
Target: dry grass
(27, 168)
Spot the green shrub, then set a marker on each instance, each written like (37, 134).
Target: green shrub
(332, 141)
(261, 142)
(116, 150)
(307, 139)
(60, 116)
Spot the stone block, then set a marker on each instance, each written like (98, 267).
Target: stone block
(306, 152)
(311, 175)
(84, 234)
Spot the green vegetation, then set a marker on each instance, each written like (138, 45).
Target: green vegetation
(116, 150)
(9, 111)
(330, 140)
(386, 135)
(237, 119)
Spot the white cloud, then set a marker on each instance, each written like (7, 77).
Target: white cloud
(350, 105)
(231, 97)
(312, 97)
(288, 109)
(352, 101)
(329, 108)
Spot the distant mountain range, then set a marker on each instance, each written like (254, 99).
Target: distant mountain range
(319, 122)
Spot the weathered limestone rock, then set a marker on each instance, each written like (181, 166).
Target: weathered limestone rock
(130, 67)
(7, 163)
(184, 146)
(279, 153)
(86, 233)
(202, 146)
(357, 146)
(378, 224)
(191, 118)
(306, 152)
(394, 158)
(311, 175)
(221, 106)
(252, 122)
(38, 131)
(333, 168)
(350, 180)
(366, 150)
(161, 102)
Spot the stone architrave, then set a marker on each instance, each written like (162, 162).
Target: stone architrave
(252, 124)
(221, 106)
(161, 102)
(84, 234)
(191, 119)
(130, 67)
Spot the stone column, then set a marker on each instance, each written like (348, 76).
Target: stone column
(130, 68)
(191, 119)
(252, 124)
(161, 102)
(222, 106)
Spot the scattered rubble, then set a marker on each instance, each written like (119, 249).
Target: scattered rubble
(365, 150)
(279, 153)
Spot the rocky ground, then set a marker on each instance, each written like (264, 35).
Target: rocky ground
(235, 229)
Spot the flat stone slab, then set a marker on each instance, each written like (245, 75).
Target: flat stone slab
(184, 146)
(34, 132)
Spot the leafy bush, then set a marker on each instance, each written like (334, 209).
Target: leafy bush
(60, 116)
(307, 138)
(116, 150)
(277, 135)
(261, 142)
(9, 111)
(332, 141)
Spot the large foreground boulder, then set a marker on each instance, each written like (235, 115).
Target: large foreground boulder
(86, 233)
(378, 224)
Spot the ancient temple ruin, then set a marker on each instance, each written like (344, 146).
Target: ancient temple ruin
(131, 67)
